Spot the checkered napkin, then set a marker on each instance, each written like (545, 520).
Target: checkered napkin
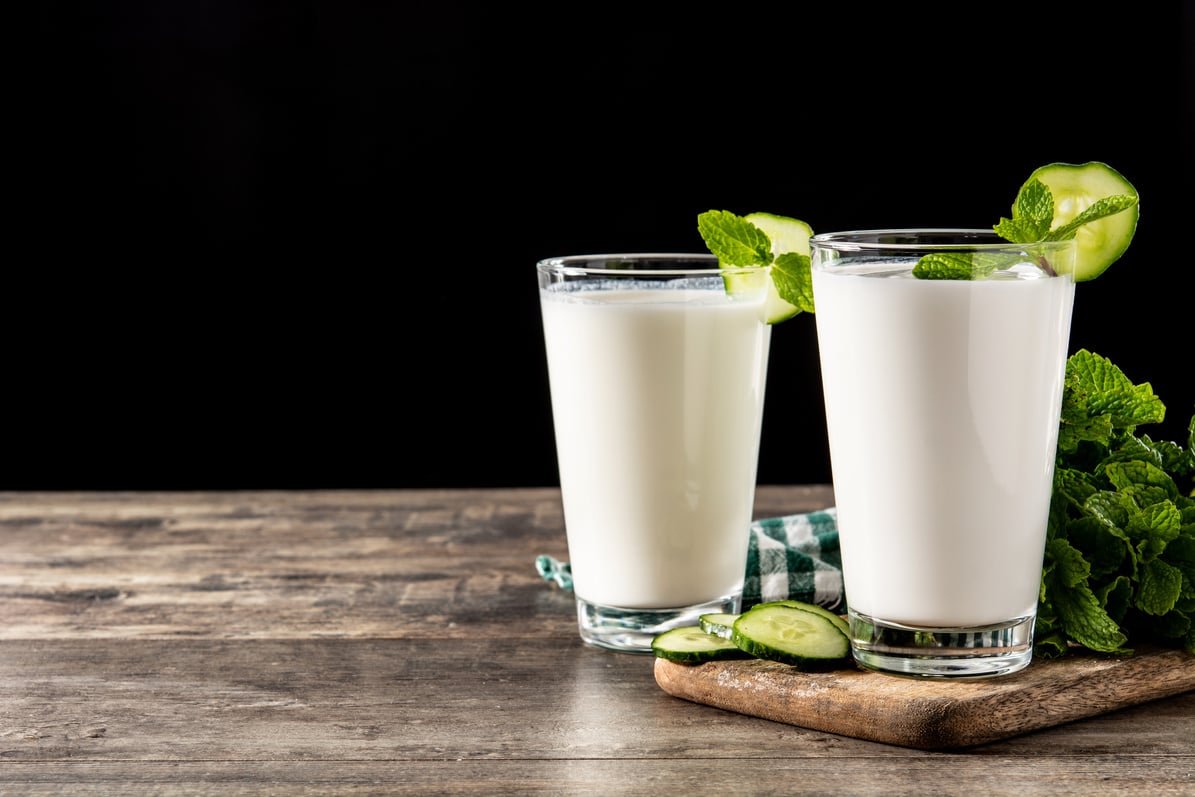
(795, 557)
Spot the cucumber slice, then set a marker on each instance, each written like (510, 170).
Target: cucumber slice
(837, 620)
(791, 636)
(1075, 187)
(719, 624)
(690, 645)
(786, 236)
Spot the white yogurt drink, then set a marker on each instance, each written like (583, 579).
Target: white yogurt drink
(942, 406)
(657, 392)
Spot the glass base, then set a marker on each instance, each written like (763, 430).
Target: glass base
(981, 652)
(632, 630)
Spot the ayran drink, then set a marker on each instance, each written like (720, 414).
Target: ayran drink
(657, 391)
(942, 406)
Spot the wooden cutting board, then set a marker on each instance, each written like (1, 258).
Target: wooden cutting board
(933, 714)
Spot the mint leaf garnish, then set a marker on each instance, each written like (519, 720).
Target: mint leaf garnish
(1108, 206)
(736, 241)
(1032, 215)
(793, 277)
(944, 266)
(962, 265)
(1036, 210)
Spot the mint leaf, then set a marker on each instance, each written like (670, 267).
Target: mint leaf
(1084, 619)
(1108, 206)
(793, 277)
(1153, 528)
(736, 241)
(1105, 547)
(1160, 585)
(1032, 215)
(963, 265)
(1107, 391)
(944, 266)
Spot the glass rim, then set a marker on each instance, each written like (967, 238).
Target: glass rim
(703, 264)
(865, 240)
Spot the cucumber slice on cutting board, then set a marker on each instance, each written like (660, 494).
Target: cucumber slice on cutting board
(837, 620)
(804, 635)
(690, 645)
(791, 635)
(1075, 187)
(718, 624)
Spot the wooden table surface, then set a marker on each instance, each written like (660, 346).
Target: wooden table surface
(402, 642)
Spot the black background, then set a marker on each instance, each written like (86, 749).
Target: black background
(291, 244)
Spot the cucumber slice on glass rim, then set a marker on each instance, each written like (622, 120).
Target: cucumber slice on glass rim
(788, 242)
(1076, 187)
(787, 235)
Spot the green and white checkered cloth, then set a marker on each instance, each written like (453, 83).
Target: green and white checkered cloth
(791, 557)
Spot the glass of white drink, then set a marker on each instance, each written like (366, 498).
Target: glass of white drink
(657, 379)
(942, 404)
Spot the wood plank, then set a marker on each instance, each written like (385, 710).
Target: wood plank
(336, 699)
(1133, 774)
(350, 564)
(934, 714)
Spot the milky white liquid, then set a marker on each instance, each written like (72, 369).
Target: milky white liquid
(942, 403)
(657, 398)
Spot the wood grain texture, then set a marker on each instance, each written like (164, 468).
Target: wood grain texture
(401, 642)
(934, 714)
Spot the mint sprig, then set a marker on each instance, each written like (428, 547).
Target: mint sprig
(738, 243)
(1032, 216)
(1119, 565)
(1033, 213)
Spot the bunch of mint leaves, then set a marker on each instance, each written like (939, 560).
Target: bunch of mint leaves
(1119, 567)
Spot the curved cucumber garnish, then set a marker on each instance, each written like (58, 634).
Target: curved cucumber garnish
(690, 645)
(1076, 187)
(790, 635)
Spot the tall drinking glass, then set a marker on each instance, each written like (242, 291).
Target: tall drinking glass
(657, 380)
(942, 406)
